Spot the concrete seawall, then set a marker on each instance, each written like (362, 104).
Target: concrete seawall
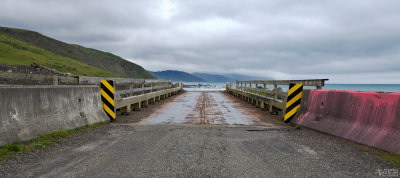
(368, 118)
(29, 111)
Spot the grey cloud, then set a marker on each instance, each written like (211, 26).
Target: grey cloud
(348, 41)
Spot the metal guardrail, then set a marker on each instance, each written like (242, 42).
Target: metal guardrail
(135, 98)
(96, 80)
(273, 100)
(128, 93)
(126, 87)
(133, 94)
(318, 83)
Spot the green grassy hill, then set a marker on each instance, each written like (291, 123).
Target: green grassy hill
(13, 52)
(26, 47)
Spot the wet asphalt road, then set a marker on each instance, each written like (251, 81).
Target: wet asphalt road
(190, 145)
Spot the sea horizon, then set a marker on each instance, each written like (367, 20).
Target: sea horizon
(331, 86)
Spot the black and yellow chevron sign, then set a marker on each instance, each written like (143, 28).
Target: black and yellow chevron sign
(293, 101)
(107, 98)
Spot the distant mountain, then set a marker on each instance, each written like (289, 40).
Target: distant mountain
(23, 47)
(203, 77)
(177, 76)
(213, 78)
(240, 77)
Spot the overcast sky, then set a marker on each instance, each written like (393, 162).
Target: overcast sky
(347, 41)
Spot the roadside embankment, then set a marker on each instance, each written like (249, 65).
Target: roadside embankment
(29, 111)
(368, 118)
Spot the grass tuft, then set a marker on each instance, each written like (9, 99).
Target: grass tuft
(391, 157)
(297, 127)
(9, 151)
(387, 156)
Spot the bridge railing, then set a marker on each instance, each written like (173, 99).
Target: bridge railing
(271, 99)
(126, 87)
(133, 94)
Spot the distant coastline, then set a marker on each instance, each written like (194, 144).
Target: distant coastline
(365, 87)
(355, 87)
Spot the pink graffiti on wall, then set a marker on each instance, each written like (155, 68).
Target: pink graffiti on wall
(366, 117)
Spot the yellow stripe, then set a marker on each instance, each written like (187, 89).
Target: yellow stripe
(108, 86)
(292, 112)
(294, 88)
(109, 111)
(297, 97)
(108, 98)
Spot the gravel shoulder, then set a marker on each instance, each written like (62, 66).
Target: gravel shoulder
(127, 149)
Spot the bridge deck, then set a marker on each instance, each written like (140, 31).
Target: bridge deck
(196, 135)
(209, 108)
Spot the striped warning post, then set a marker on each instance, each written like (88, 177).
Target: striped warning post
(293, 101)
(107, 98)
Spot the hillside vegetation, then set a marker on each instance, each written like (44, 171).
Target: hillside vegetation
(15, 52)
(105, 64)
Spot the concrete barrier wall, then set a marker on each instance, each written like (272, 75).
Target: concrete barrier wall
(29, 111)
(368, 118)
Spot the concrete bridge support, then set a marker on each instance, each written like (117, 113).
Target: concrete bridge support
(145, 104)
(126, 110)
(262, 105)
(151, 100)
(136, 106)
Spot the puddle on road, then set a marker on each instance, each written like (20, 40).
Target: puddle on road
(201, 108)
(176, 111)
(233, 115)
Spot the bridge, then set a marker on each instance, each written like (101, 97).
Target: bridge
(161, 130)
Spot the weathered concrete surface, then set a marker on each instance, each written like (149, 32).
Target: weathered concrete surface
(206, 108)
(368, 118)
(197, 151)
(29, 111)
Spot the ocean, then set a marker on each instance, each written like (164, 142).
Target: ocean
(365, 87)
(195, 86)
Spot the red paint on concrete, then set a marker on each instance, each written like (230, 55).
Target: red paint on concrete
(368, 118)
